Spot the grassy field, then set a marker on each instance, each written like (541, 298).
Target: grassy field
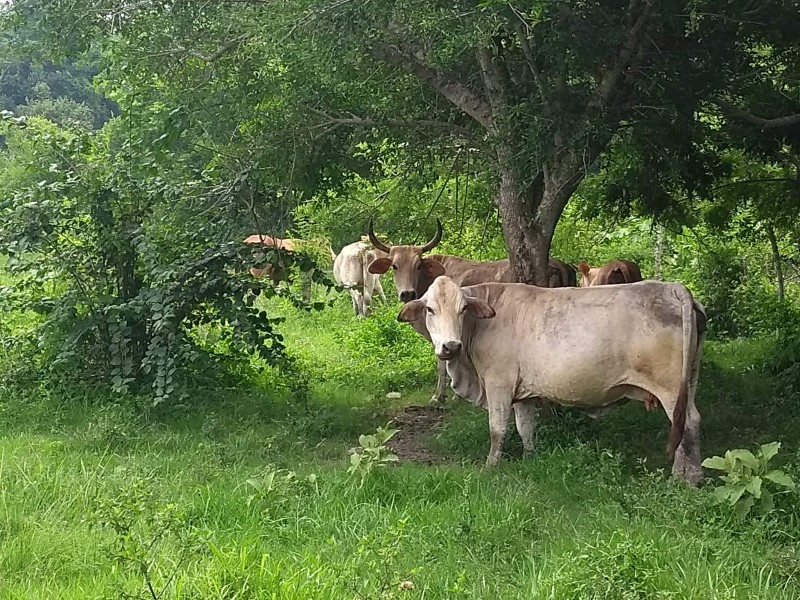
(245, 494)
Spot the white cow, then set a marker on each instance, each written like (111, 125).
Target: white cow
(507, 344)
(350, 269)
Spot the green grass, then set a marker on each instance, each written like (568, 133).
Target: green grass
(90, 491)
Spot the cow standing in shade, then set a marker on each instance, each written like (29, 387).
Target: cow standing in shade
(414, 273)
(350, 269)
(280, 273)
(617, 271)
(506, 345)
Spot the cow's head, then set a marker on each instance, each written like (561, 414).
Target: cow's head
(444, 307)
(407, 262)
(589, 274)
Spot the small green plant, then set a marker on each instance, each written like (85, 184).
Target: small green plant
(372, 452)
(746, 479)
(151, 538)
(276, 487)
(377, 568)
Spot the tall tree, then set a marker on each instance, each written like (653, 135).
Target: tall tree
(541, 90)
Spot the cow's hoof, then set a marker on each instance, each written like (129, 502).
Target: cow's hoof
(689, 474)
(438, 400)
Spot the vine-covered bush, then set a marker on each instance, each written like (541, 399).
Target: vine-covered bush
(109, 258)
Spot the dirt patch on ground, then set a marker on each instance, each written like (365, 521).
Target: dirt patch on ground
(417, 425)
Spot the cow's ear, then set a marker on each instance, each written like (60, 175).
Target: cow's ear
(412, 311)
(431, 267)
(583, 267)
(479, 309)
(379, 266)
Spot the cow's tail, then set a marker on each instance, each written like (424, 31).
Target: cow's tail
(333, 254)
(689, 330)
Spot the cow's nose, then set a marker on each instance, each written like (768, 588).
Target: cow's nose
(452, 348)
(408, 296)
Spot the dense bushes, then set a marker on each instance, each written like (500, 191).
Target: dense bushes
(110, 262)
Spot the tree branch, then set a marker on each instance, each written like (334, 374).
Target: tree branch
(760, 122)
(522, 36)
(209, 58)
(631, 54)
(492, 83)
(354, 121)
(447, 85)
(746, 181)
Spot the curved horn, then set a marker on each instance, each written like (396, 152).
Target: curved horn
(379, 245)
(436, 238)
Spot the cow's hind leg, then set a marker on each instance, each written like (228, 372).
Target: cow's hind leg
(499, 404)
(686, 465)
(353, 300)
(379, 289)
(525, 416)
(440, 395)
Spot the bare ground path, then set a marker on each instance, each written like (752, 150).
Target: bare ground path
(417, 425)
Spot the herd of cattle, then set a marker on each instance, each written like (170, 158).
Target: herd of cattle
(508, 346)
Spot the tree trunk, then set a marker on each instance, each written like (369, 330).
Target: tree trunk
(776, 259)
(530, 213)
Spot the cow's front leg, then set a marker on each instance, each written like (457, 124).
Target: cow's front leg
(499, 404)
(525, 415)
(440, 395)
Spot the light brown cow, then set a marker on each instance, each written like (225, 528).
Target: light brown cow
(507, 345)
(262, 240)
(350, 269)
(617, 271)
(414, 273)
(287, 245)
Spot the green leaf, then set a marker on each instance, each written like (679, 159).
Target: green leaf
(781, 478)
(754, 486)
(355, 459)
(767, 503)
(722, 494)
(768, 451)
(743, 506)
(736, 493)
(746, 458)
(716, 462)
(368, 441)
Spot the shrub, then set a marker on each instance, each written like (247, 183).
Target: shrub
(748, 479)
(107, 253)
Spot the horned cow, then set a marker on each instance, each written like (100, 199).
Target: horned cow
(414, 273)
(507, 345)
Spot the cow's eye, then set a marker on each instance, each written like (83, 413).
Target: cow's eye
(429, 309)
(419, 266)
(463, 310)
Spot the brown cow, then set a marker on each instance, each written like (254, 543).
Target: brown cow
(413, 275)
(617, 271)
(287, 245)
